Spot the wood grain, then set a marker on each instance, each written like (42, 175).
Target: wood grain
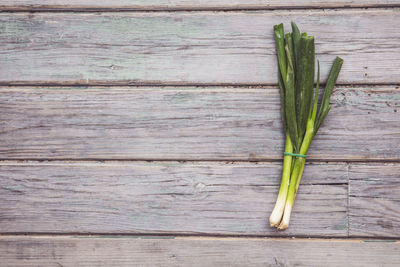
(167, 197)
(374, 200)
(188, 124)
(190, 47)
(189, 251)
(187, 4)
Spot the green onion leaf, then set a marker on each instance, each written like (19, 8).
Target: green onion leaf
(305, 81)
(296, 45)
(280, 49)
(282, 94)
(316, 96)
(289, 43)
(290, 102)
(325, 107)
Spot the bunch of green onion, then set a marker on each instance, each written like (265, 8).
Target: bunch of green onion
(301, 116)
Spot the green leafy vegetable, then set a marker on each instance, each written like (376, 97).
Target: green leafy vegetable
(299, 109)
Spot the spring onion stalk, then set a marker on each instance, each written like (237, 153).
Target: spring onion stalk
(301, 116)
(276, 214)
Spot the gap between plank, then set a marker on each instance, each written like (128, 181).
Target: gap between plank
(348, 198)
(80, 9)
(172, 84)
(199, 236)
(227, 161)
(188, 87)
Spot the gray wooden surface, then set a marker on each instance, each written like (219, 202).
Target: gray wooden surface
(167, 197)
(186, 123)
(154, 138)
(374, 200)
(197, 48)
(335, 199)
(194, 251)
(188, 4)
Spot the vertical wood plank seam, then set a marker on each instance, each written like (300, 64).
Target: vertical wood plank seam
(348, 198)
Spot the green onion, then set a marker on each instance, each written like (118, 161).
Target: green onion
(299, 110)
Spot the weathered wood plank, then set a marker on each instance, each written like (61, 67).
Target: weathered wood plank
(374, 200)
(188, 124)
(188, 4)
(196, 48)
(167, 197)
(192, 251)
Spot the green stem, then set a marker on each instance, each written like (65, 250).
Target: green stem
(299, 177)
(277, 213)
(296, 175)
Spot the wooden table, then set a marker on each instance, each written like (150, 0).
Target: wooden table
(148, 133)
